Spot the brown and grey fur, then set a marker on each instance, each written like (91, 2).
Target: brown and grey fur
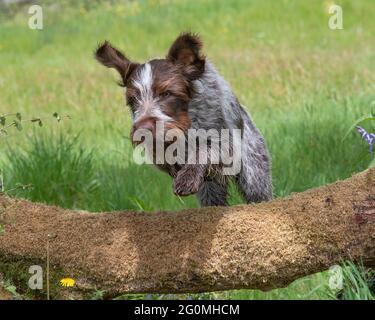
(185, 91)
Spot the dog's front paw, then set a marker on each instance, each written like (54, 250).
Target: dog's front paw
(187, 181)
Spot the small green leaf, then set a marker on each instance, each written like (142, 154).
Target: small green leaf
(37, 120)
(140, 204)
(2, 120)
(11, 289)
(359, 121)
(57, 116)
(18, 116)
(372, 105)
(18, 125)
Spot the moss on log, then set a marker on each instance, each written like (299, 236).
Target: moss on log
(260, 246)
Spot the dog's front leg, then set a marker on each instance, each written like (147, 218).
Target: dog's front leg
(191, 176)
(189, 179)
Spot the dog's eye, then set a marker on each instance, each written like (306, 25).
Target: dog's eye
(165, 94)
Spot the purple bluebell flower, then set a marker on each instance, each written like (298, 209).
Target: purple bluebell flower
(368, 137)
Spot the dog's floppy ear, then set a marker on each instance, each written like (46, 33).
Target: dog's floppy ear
(111, 57)
(186, 51)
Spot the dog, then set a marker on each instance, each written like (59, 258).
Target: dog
(184, 91)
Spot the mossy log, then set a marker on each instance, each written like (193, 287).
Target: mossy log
(260, 246)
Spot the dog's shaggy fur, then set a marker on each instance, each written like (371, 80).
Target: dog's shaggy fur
(185, 91)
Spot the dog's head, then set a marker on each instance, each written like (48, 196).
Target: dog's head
(160, 89)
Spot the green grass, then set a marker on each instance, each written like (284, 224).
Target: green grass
(358, 284)
(58, 170)
(304, 84)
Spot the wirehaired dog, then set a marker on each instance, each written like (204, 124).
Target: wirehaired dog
(184, 91)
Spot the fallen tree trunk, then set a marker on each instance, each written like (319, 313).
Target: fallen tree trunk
(261, 246)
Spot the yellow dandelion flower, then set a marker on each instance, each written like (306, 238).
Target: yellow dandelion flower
(67, 282)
